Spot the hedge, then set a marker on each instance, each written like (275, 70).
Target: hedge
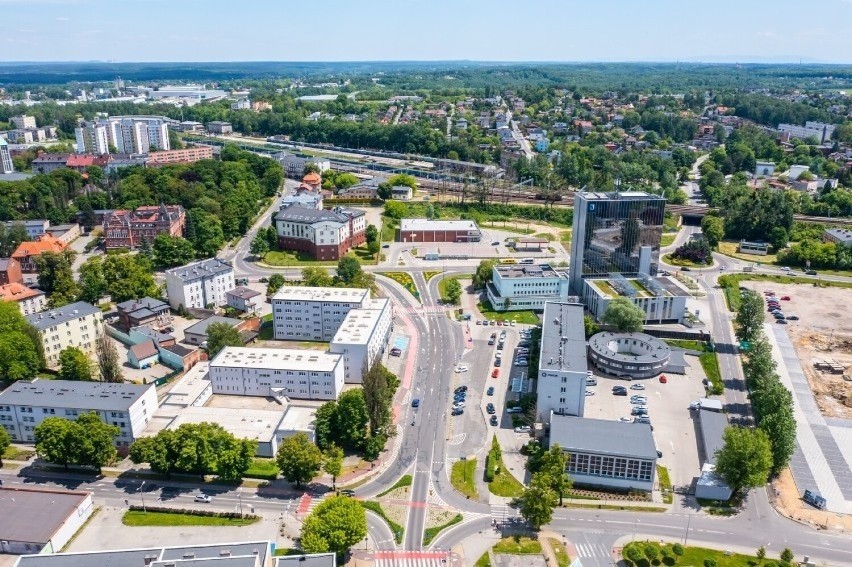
(193, 512)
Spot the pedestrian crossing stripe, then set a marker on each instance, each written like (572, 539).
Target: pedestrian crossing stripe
(591, 550)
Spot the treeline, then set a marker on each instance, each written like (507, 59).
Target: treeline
(479, 211)
(771, 111)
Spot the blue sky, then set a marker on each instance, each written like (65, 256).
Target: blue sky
(495, 30)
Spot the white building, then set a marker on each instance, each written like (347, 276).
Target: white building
(362, 336)
(34, 227)
(522, 287)
(92, 139)
(24, 405)
(822, 132)
(244, 299)
(29, 300)
(313, 313)
(137, 134)
(242, 104)
(75, 325)
(6, 165)
(277, 373)
(663, 299)
(39, 520)
(294, 166)
(22, 122)
(197, 285)
(562, 361)
(324, 234)
(764, 168)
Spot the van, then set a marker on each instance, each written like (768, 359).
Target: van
(527, 261)
(591, 381)
(516, 409)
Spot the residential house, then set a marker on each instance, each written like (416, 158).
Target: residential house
(10, 271)
(199, 284)
(74, 325)
(244, 299)
(27, 252)
(144, 311)
(29, 300)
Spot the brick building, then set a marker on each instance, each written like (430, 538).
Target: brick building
(324, 234)
(127, 229)
(425, 230)
(10, 271)
(27, 252)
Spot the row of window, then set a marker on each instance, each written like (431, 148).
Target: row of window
(611, 467)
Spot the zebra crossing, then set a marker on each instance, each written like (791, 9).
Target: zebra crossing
(416, 559)
(423, 310)
(591, 550)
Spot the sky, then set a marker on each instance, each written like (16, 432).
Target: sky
(427, 30)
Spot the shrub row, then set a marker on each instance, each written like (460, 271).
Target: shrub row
(193, 512)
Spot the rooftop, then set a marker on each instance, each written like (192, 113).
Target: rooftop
(603, 437)
(45, 243)
(18, 292)
(298, 213)
(203, 268)
(144, 303)
(653, 350)
(200, 328)
(252, 554)
(327, 294)
(257, 425)
(276, 359)
(51, 317)
(843, 235)
(189, 387)
(713, 426)
(409, 225)
(526, 271)
(563, 338)
(298, 418)
(623, 195)
(315, 560)
(34, 516)
(73, 395)
(358, 326)
(243, 292)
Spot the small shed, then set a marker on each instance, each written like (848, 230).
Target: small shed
(143, 355)
(710, 404)
(531, 243)
(711, 486)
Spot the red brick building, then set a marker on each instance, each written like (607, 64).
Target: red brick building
(128, 229)
(10, 271)
(425, 230)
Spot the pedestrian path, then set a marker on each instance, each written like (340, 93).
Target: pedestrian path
(415, 559)
(424, 310)
(591, 550)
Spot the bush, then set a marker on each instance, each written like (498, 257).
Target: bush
(696, 251)
(194, 512)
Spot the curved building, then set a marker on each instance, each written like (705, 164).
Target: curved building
(630, 355)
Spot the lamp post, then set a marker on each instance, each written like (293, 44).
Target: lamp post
(636, 521)
(365, 542)
(686, 535)
(240, 497)
(142, 496)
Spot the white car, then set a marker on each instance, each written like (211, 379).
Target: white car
(637, 386)
(522, 429)
(206, 498)
(461, 369)
(625, 419)
(458, 405)
(590, 392)
(521, 363)
(638, 401)
(511, 323)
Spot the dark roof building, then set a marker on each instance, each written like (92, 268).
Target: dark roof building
(40, 521)
(326, 234)
(144, 311)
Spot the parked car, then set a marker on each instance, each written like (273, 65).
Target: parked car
(639, 411)
(619, 389)
(415, 403)
(516, 409)
(591, 381)
(793, 317)
(491, 342)
(206, 498)
(490, 408)
(619, 392)
(497, 362)
(395, 352)
(522, 429)
(785, 298)
(493, 420)
(781, 321)
(455, 411)
(461, 388)
(511, 323)
(495, 373)
(590, 392)
(495, 243)
(458, 405)
(637, 386)
(478, 322)
(462, 368)
(490, 391)
(522, 362)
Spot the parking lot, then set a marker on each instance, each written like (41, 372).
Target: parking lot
(674, 426)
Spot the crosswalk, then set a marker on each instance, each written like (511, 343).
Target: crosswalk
(423, 310)
(416, 559)
(591, 550)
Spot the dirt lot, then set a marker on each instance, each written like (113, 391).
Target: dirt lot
(785, 496)
(824, 316)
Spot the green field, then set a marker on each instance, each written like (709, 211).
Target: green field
(462, 477)
(138, 518)
(697, 555)
(518, 546)
(263, 468)
(522, 317)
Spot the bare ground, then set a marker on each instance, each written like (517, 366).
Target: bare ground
(785, 497)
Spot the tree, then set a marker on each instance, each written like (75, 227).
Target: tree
(220, 335)
(5, 441)
(57, 440)
(334, 526)
(403, 179)
(749, 318)
(374, 247)
(652, 551)
(128, 278)
(713, 229)
(207, 236)
(590, 326)
(324, 424)
(97, 448)
(109, 366)
(379, 387)
(11, 237)
(316, 277)
(453, 291)
(298, 459)
(552, 465)
(624, 315)
(93, 284)
(778, 237)
(536, 503)
(633, 553)
(259, 245)
(235, 458)
(395, 209)
(333, 463)
(761, 552)
(787, 555)
(745, 459)
(21, 353)
(677, 550)
(56, 277)
(348, 269)
(351, 420)
(75, 365)
(170, 251)
(276, 281)
(484, 273)
(372, 233)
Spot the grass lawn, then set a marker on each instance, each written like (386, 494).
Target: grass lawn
(14, 454)
(430, 533)
(518, 546)
(263, 468)
(266, 333)
(545, 235)
(562, 558)
(565, 237)
(405, 480)
(376, 508)
(697, 555)
(710, 364)
(523, 317)
(667, 258)
(729, 248)
(405, 280)
(138, 518)
(287, 259)
(483, 561)
(665, 483)
(389, 228)
(668, 238)
(429, 275)
(504, 484)
(462, 477)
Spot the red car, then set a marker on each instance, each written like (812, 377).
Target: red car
(495, 373)
(785, 298)
(663, 379)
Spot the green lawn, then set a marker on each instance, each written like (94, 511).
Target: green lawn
(442, 287)
(504, 484)
(430, 533)
(697, 555)
(665, 483)
(518, 546)
(562, 558)
(14, 454)
(545, 235)
(288, 259)
(431, 274)
(483, 561)
(565, 237)
(138, 518)
(523, 317)
(729, 248)
(462, 477)
(405, 480)
(376, 508)
(263, 468)
(668, 238)
(266, 333)
(710, 364)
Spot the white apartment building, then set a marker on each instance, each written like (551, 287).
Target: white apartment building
(78, 325)
(6, 164)
(522, 287)
(24, 405)
(137, 134)
(818, 130)
(197, 285)
(279, 373)
(561, 387)
(23, 122)
(313, 313)
(29, 300)
(92, 139)
(362, 338)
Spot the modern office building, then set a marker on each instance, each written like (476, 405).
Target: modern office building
(29, 300)
(129, 229)
(324, 234)
(562, 361)
(37, 520)
(75, 325)
(277, 373)
(313, 313)
(6, 165)
(526, 287)
(24, 405)
(197, 285)
(629, 355)
(615, 233)
(662, 299)
(362, 337)
(242, 554)
(92, 139)
(608, 454)
(428, 230)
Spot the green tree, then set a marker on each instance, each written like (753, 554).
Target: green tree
(259, 245)
(652, 552)
(778, 237)
(484, 273)
(207, 235)
(75, 365)
(403, 179)
(677, 550)
(170, 251)
(745, 459)
(395, 209)
(276, 281)
(351, 420)
(56, 277)
(713, 229)
(552, 465)
(345, 180)
(633, 553)
(5, 442)
(787, 555)
(21, 353)
(324, 424)
(109, 365)
(127, 278)
(298, 459)
(749, 318)
(316, 277)
(372, 233)
(97, 448)
(333, 463)
(454, 291)
(624, 315)
(590, 326)
(348, 270)
(761, 552)
(220, 335)
(235, 458)
(11, 237)
(93, 284)
(374, 247)
(373, 447)
(379, 387)
(57, 440)
(334, 526)
(536, 503)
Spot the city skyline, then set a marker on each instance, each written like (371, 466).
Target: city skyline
(607, 31)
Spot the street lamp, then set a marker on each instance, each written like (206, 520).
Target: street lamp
(142, 496)
(686, 535)
(636, 521)
(240, 496)
(365, 542)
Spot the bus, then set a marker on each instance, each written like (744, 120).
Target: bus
(508, 261)
(527, 261)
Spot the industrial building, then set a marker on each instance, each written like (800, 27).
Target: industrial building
(313, 313)
(40, 520)
(526, 287)
(362, 337)
(562, 361)
(428, 230)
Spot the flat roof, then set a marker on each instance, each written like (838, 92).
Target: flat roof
(844, 235)
(667, 285)
(615, 196)
(563, 338)
(603, 437)
(298, 418)
(220, 554)
(34, 515)
(325, 294)
(358, 325)
(257, 425)
(51, 317)
(200, 328)
(203, 268)
(527, 271)
(191, 385)
(315, 560)
(657, 350)
(73, 395)
(408, 225)
(713, 425)
(276, 359)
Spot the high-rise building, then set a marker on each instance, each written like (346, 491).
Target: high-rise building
(615, 233)
(23, 121)
(92, 139)
(137, 134)
(6, 165)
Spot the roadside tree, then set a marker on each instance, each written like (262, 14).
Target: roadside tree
(334, 526)
(745, 459)
(298, 459)
(624, 315)
(333, 463)
(536, 503)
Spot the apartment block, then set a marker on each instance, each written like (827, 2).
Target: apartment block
(562, 362)
(92, 139)
(6, 165)
(78, 325)
(362, 337)
(23, 121)
(277, 373)
(197, 285)
(29, 300)
(186, 155)
(313, 313)
(25, 404)
(530, 287)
